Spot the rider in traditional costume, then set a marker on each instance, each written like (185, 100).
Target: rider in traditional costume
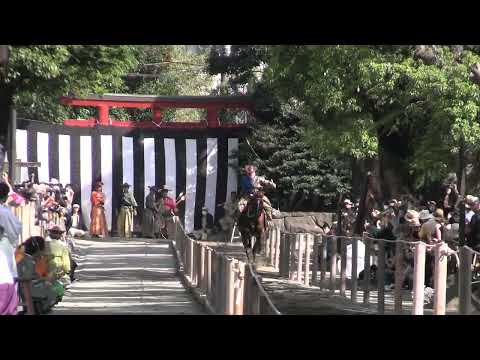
(250, 185)
(127, 211)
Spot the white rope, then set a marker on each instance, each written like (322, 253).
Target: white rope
(262, 290)
(252, 272)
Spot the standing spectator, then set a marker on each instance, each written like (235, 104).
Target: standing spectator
(473, 237)
(127, 211)
(8, 275)
(69, 194)
(168, 209)
(450, 199)
(11, 225)
(13, 199)
(470, 202)
(149, 214)
(98, 225)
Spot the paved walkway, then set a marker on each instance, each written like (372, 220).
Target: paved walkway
(125, 277)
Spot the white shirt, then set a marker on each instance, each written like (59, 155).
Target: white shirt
(468, 215)
(8, 266)
(11, 225)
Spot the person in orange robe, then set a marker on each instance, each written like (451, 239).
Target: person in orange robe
(98, 221)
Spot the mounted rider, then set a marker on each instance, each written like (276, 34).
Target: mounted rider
(252, 185)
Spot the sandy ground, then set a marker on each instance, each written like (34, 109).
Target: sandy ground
(125, 277)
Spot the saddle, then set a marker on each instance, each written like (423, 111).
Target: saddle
(254, 206)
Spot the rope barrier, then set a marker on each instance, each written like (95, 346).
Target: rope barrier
(252, 273)
(262, 290)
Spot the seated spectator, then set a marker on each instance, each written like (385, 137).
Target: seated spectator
(59, 265)
(75, 226)
(46, 292)
(8, 277)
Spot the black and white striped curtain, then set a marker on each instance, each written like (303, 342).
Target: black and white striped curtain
(196, 161)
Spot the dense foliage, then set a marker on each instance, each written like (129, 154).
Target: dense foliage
(305, 180)
(406, 105)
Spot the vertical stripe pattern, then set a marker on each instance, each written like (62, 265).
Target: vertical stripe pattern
(43, 157)
(64, 159)
(22, 152)
(202, 164)
(170, 167)
(211, 183)
(149, 161)
(232, 179)
(191, 183)
(106, 159)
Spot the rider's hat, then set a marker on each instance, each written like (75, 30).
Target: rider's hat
(163, 188)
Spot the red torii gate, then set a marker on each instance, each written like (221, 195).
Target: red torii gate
(213, 104)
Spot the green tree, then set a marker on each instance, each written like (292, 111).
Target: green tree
(407, 105)
(168, 70)
(305, 180)
(39, 75)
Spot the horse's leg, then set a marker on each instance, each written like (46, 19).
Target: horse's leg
(260, 234)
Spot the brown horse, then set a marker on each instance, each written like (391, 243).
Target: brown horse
(252, 223)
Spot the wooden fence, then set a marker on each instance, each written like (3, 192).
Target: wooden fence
(26, 215)
(228, 286)
(322, 261)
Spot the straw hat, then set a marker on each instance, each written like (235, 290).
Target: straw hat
(56, 229)
(470, 201)
(425, 215)
(412, 218)
(439, 215)
(76, 206)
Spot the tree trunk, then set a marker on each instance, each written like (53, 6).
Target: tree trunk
(393, 171)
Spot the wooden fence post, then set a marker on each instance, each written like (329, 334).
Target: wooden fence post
(397, 292)
(440, 279)
(316, 244)
(284, 255)
(343, 266)
(191, 259)
(229, 286)
(306, 279)
(266, 248)
(273, 244)
(277, 248)
(240, 288)
(292, 238)
(354, 274)
(323, 261)
(418, 278)
(300, 238)
(333, 264)
(201, 267)
(465, 281)
(366, 272)
(247, 291)
(208, 273)
(381, 278)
